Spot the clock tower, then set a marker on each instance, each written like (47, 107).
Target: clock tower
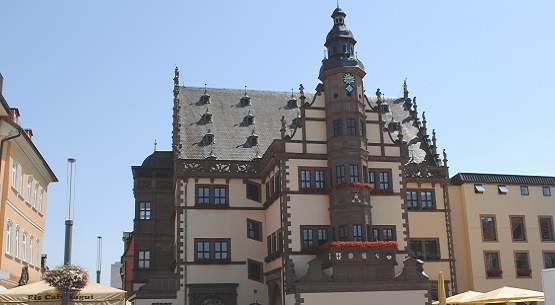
(342, 74)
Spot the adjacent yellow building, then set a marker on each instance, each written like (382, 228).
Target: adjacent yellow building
(503, 230)
(25, 177)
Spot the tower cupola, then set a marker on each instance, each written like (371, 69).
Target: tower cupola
(340, 44)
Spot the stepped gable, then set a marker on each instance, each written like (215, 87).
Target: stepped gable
(230, 131)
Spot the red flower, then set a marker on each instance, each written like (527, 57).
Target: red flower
(360, 244)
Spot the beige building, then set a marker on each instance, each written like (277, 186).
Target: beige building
(294, 197)
(503, 230)
(25, 177)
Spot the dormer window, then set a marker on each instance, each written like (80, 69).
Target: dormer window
(385, 108)
(292, 103)
(249, 119)
(253, 140)
(205, 99)
(245, 101)
(207, 117)
(209, 138)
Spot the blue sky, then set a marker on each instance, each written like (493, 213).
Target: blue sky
(93, 79)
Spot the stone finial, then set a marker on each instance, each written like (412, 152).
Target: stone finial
(400, 132)
(176, 82)
(415, 108)
(378, 96)
(302, 96)
(444, 158)
(282, 130)
(434, 142)
(405, 90)
(424, 128)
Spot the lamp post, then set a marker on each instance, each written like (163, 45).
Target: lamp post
(70, 201)
(99, 258)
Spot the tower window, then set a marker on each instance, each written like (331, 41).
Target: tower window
(337, 128)
(351, 126)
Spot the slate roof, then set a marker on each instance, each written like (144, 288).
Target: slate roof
(159, 159)
(230, 132)
(461, 178)
(399, 111)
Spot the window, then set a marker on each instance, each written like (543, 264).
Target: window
(546, 228)
(15, 165)
(517, 228)
(384, 180)
(305, 179)
(253, 140)
(337, 128)
(385, 108)
(340, 174)
(37, 253)
(380, 179)
(9, 237)
(35, 195)
(21, 177)
(144, 260)
(383, 233)
(255, 270)
(254, 191)
(274, 243)
(254, 229)
(144, 210)
(420, 199)
(425, 249)
(17, 241)
(479, 189)
(278, 182)
(357, 232)
(208, 138)
(546, 191)
(29, 188)
(311, 179)
(412, 200)
(31, 253)
(322, 236)
(488, 228)
(362, 129)
(24, 245)
(549, 260)
(313, 237)
(292, 104)
(216, 195)
(343, 234)
(41, 198)
(308, 238)
(524, 191)
(319, 177)
(249, 119)
(212, 251)
(353, 173)
(502, 189)
(220, 195)
(351, 126)
(493, 268)
(522, 264)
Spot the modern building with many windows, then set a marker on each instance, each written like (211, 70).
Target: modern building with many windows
(503, 229)
(25, 177)
(293, 197)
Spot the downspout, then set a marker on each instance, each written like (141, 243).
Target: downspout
(7, 139)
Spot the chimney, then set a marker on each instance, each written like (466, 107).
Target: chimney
(14, 115)
(29, 133)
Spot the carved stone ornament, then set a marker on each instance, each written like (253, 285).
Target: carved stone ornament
(212, 302)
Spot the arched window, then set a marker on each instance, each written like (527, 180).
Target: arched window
(24, 245)
(9, 237)
(17, 241)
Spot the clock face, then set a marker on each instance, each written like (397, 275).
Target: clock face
(348, 78)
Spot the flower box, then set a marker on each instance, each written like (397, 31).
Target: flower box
(272, 256)
(494, 272)
(360, 244)
(523, 272)
(382, 191)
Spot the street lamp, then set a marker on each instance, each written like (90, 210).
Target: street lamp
(99, 258)
(70, 202)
